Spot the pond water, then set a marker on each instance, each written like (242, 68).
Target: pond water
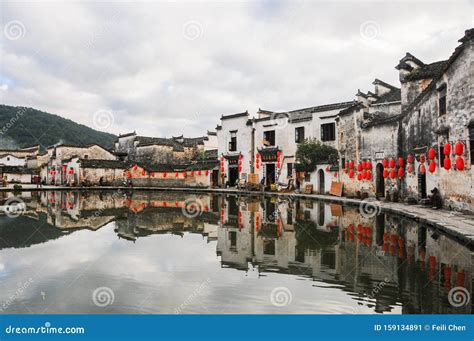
(166, 252)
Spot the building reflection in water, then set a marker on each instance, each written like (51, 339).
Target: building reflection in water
(382, 261)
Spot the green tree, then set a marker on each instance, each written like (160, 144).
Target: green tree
(312, 152)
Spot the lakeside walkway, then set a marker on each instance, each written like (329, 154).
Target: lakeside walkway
(456, 224)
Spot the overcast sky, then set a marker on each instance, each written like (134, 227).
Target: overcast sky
(166, 68)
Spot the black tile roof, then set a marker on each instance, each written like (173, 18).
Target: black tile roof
(395, 95)
(16, 170)
(224, 117)
(427, 71)
(92, 163)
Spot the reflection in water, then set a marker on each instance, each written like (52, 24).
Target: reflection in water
(176, 252)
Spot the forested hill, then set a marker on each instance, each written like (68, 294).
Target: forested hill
(22, 127)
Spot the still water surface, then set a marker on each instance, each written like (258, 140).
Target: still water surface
(151, 252)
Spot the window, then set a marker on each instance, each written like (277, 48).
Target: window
(289, 217)
(299, 134)
(328, 132)
(307, 176)
(471, 144)
(233, 141)
(269, 138)
(86, 156)
(343, 162)
(289, 170)
(442, 99)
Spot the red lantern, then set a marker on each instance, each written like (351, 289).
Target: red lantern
(422, 158)
(165, 174)
(447, 149)
(369, 175)
(364, 164)
(431, 153)
(393, 174)
(432, 166)
(257, 161)
(199, 172)
(401, 172)
(447, 163)
(459, 148)
(335, 174)
(401, 162)
(347, 164)
(359, 176)
(176, 174)
(364, 174)
(422, 169)
(143, 172)
(351, 164)
(207, 172)
(392, 163)
(385, 173)
(410, 158)
(192, 173)
(368, 165)
(351, 173)
(460, 163)
(327, 169)
(385, 163)
(359, 167)
(185, 174)
(135, 167)
(152, 174)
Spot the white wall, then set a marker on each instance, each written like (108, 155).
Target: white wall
(10, 160)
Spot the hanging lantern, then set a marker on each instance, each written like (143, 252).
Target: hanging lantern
(327, 169)
(364, 164)
(385, 173)
(385, 163)
(369, 175)
(351, 174)
(135, 167)
(129, 175)
(447, 163)
(459, 163)
(351, 164)
(143, 172)
(401, 162)
(152, 174)
(176, 174)
(192, 173)
(257, 161)
(335, 174)
(410, 158)
(185, 174)
(279, 159)
(359, 176)
(393, 174)
(199, 172)
(447, 149)
(207, 172)
(368, 165)
(392, 163)
(459, 148)
(432, 166)
(165, 174)
(431, 153)
(364, 174)
(401, 172)
(422, 169)
(422, 158)
(359, 167)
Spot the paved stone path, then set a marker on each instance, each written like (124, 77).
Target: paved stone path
(456, 224)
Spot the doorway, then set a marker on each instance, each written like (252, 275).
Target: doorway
(270, 173)
(215, 178)
(321, 181)
(421, 184)
(233, 176)
(379, 181)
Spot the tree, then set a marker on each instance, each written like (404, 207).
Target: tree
(312, 152)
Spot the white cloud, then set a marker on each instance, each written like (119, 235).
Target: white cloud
(136, 60)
